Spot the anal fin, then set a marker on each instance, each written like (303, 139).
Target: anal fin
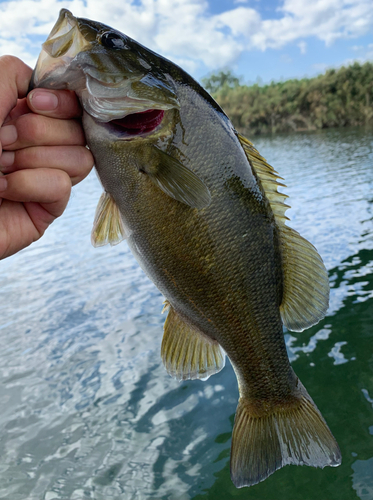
(187, 353)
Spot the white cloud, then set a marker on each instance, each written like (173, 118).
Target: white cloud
(241, 21)
(14, 48)
(189, 33)
(178, 29)
(303, 47)
(185, 31)
(327, 20)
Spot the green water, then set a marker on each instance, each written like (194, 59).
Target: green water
(88, 411)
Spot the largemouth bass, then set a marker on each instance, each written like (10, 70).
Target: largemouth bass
(201, 211)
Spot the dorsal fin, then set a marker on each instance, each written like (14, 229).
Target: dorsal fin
(306, 285)
(268, 179)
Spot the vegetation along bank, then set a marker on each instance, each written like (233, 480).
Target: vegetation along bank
(338, 98)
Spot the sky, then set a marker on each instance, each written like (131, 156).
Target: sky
(259, 40)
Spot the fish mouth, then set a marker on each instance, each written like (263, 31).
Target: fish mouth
(140, 123)
(107, 102)
(110, 87)
(63, 44)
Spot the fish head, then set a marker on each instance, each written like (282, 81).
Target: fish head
(131, 108)
(113, 75)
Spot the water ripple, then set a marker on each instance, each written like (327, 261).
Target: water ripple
(88, 411)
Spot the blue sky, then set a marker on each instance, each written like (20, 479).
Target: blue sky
(256, 39)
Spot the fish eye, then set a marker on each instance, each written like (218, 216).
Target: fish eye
(112, 40)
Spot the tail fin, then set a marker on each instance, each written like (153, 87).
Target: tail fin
(261, 445)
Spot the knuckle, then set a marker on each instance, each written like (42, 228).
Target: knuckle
(58, 185)
(84, 163)
(69, 104)
(32, 128)
(9, 61)
(64, 184)
(27, 157)
(86, 158)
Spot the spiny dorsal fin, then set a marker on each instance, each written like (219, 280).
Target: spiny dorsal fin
(268, 179)
(108, 225)
(306, 284)
(187, 353)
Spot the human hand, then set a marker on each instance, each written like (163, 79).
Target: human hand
(42, 154)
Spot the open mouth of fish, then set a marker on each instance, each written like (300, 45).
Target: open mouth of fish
(73, 59)
(139, 123)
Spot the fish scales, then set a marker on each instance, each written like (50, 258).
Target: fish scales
(205, 253)
(201, 213)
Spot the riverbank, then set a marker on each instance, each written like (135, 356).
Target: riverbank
(337, 98)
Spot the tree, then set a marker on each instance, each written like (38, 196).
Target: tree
(216, 82)
(338, 98)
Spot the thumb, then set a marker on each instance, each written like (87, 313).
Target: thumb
(62, 104)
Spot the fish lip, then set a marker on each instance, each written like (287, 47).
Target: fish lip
(109, 98)
(65, 30)
(64, 14)
(63, 44)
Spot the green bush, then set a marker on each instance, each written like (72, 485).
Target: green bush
(337, 98)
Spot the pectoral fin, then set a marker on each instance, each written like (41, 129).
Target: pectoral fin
(187, 353)
(108, 225)
(176, 180)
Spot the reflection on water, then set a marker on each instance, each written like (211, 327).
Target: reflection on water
(362, 478)
(88, 412)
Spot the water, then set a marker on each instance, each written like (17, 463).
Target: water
(87, 409)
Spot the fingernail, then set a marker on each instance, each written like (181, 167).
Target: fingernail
(8, 135)
(7, 159)
(3, 183)
(43, 100)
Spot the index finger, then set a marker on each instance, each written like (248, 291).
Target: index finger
(14, 80)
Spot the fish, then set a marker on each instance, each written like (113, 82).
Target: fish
(202, 212)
